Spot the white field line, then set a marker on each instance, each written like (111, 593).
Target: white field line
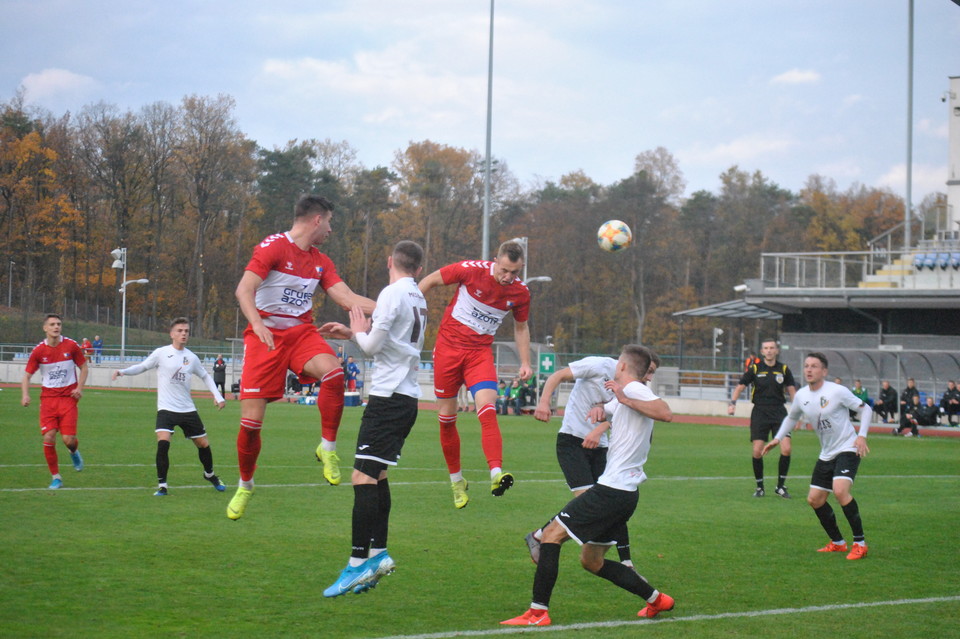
(690, 618)
(392, 482)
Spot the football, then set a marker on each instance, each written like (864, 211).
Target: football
(614, 235)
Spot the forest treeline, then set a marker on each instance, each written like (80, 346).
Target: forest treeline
(188, 194)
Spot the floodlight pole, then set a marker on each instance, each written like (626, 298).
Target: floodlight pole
(485, 251)
(908, 205)
(123, 320)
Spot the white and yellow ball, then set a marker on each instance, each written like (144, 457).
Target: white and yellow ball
(614, 235)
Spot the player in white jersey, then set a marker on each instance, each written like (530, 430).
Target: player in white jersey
(581, 444)
(827, 406)
(175, 364)
(395, 338)
(598, 516)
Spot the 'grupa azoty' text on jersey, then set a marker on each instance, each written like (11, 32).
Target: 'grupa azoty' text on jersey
(290, 276)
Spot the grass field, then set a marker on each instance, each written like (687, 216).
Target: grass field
(105, 558)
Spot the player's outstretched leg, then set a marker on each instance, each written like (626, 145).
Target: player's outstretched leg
(330, 405)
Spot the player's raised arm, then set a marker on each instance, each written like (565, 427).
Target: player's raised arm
(542, 412)
(344, 296)
(431, 281)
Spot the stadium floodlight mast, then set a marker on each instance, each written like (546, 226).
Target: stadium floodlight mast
(485, 252)
(120, 261)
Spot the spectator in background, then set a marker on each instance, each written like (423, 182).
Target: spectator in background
(750, 361)
(861, 393)
(97, 348)
(929, 413)
(887, 403)
(503, 398)
(463, 399)
(86, 347)
(906, 397)
(352, 372)
(515, 396)
(950, 403)
(910, 417)
(220, 375)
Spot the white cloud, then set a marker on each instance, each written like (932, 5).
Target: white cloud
(796, 76)
(927, 178)
(56, 83)
(738, 151)
(933, 129)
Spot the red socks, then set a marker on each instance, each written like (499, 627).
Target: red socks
(330, 404)
(248, 447)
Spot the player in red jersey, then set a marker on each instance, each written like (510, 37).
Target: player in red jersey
(276, 296)
(57, 358)
(486, 292)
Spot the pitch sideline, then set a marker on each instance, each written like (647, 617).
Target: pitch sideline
(716, 617)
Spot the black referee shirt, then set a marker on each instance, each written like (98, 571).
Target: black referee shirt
(768, 382)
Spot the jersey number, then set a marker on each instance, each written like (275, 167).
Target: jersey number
(417, 324)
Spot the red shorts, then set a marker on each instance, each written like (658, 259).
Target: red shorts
(58, 413)
(454, 367)
(264, 372)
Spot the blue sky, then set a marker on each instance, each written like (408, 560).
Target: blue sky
(788, 88)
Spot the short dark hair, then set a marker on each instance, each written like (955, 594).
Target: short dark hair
(513, 250)
(770, 339)
(821, 357)
(178, 320)
(311, 205)
(49, 315)
(638, 358)
(408, 256)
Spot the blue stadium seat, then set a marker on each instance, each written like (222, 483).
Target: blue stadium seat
(930, 260)
(955, 260)
(918, 261)
(943, 260)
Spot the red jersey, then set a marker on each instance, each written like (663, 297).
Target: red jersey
(290, 276)
(57, 366)
(479, 305)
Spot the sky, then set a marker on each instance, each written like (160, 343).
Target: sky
(790, 89)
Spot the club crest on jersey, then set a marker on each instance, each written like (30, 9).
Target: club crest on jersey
(289, 266)
(823, 402)
(509, 303)
(186, 361)
(779, 378)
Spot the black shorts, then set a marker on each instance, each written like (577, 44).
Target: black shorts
(384, 427)
(765, 420)
(581, 466)
(598, 516)
(189, 423)
(843, 466)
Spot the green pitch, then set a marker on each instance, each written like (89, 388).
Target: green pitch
(104, 558)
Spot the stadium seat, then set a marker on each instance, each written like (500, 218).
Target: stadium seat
(918, 261)
(955, 260)
(930, 260)
(943, 260)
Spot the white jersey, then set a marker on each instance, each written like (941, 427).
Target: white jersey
(828, 409)
(630, 436)
(174, 368)
(401, 312)
(590, 374)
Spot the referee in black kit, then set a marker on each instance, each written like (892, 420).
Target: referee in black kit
(772, 381)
